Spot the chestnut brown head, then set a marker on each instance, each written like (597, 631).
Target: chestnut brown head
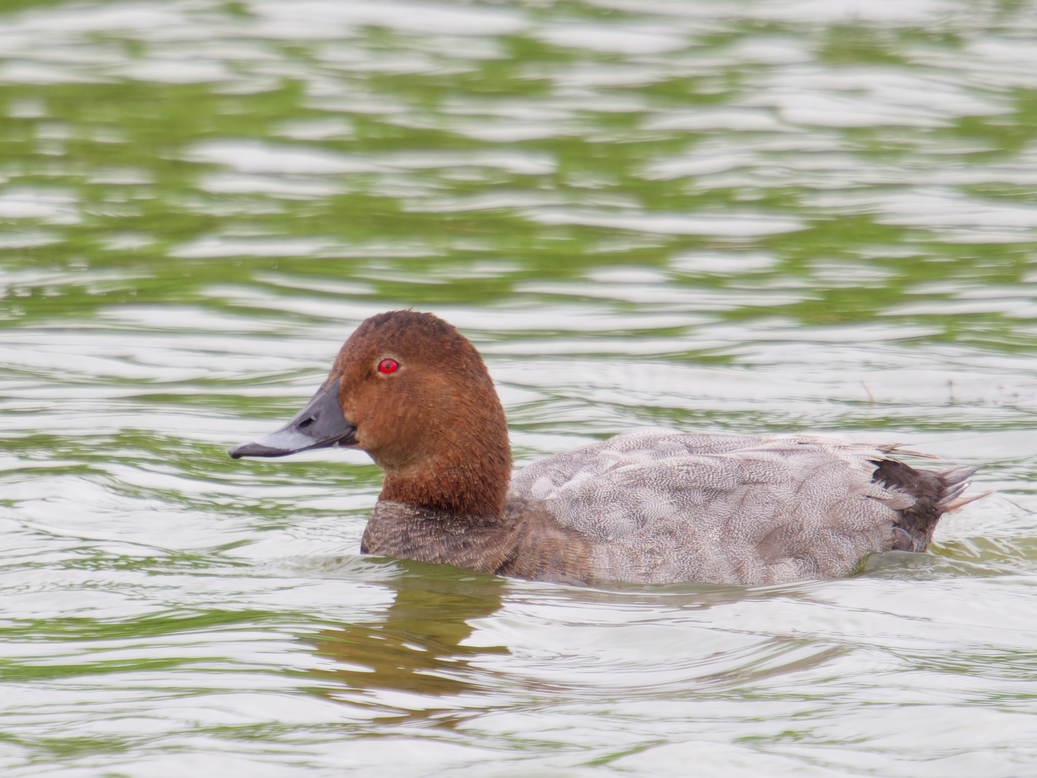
(412, 392)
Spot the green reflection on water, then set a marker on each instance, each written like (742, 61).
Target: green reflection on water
(150, 128)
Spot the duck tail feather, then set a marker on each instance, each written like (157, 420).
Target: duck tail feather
(935, 493)
(899, 450)
(960, 502)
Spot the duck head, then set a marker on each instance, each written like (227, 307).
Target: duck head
(412, 392)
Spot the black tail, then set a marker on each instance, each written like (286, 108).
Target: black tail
(934, 493)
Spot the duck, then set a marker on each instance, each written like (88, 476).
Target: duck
(643, 508)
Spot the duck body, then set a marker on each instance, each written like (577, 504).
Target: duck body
(646, 507)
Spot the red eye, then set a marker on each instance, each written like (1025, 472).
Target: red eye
(388, 366)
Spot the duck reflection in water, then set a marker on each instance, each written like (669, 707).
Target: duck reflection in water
(417, 644)
(419, 647)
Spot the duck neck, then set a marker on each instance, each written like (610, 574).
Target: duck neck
(467, 480)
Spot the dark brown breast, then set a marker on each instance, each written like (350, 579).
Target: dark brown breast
(526, 542)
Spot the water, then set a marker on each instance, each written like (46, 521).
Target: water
(747, 216)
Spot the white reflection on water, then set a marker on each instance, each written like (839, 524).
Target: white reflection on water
(726, 224)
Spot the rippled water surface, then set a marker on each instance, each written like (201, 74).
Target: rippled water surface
(745, 215)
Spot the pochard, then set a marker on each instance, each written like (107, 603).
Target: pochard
(644, 507)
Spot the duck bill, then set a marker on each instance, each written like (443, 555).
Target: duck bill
(319, 425)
